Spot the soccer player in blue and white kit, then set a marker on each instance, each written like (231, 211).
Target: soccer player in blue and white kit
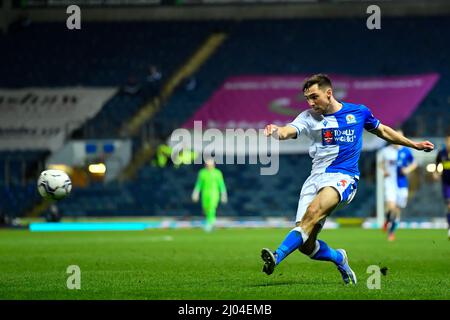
(335, 129)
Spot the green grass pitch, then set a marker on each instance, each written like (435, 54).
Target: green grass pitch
(225, 264)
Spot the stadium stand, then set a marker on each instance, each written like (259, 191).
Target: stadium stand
(18, 180)
(102, 54)
(95, 57)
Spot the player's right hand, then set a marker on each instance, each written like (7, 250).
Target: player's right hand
(426, 146)
(270, 129)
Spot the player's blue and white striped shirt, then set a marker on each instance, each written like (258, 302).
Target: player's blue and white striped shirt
(336, 138)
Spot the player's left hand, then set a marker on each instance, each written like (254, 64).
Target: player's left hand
(426, 146)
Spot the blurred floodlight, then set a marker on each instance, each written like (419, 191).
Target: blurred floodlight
(98, 168)
(431, 167)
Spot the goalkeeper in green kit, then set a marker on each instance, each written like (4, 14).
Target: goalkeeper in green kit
(211, 185)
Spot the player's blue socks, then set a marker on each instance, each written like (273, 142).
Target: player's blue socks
(325, 253)
(292, 242)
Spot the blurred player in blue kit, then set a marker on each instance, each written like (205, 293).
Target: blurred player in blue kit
(335, 129)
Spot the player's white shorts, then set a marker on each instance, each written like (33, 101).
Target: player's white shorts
(394, 194)
(345, 185)
(402, 197)
(390, 190)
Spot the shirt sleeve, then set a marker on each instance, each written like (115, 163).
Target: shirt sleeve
(370, 122)
(300, 124)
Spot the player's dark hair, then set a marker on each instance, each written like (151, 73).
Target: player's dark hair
(320, 79)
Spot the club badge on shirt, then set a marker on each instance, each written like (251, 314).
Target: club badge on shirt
(342, 183)
(350, 118)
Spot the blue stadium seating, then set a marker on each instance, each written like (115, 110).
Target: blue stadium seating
(100, 54)
(18, 190)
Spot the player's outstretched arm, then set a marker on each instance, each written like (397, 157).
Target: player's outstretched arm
(280, 133)
(392, 136)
